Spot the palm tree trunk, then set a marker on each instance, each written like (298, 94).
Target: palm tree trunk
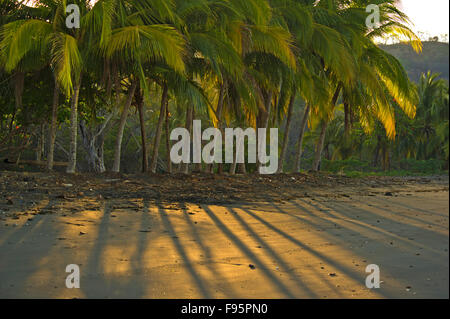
(169, 162)
(346, 149)
(266, 115)
(18, 79)
(197, 166)
(189, 115)
(52, 131)
(40, 151)
(101, 163)
(219, 112)
(298, 153)
(93, 137)
(241, 168)
(347, 123)
(42, 140)
(162, 113)
(262, 122)
(74, 129)
(286, 134)
(123, 119)
(377, 152)
(140, 107)
(93, 145)
(319, 147)
(234, 164)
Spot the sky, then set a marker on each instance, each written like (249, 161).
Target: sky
(429, 16)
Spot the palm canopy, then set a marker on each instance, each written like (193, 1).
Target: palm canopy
(107, 24)
(376, 78)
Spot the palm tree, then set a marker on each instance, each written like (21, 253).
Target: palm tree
(325, 54)
(380, 75)
(44, 35)
(432, 116)
(135, 37)
(27, 36)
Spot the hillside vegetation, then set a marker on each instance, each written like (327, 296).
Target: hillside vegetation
(434, 57)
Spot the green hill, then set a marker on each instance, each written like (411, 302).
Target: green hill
(434, 57)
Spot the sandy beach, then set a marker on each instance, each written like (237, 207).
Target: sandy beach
(310, 242)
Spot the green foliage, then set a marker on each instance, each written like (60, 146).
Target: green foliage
(357, 168)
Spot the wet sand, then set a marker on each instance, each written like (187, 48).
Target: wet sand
(316, 246)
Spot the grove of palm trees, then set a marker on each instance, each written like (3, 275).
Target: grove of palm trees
(89, 98)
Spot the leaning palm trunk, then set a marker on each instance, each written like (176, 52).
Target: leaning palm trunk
(319, 147)
(189, 116)
(140, 107)
(298, 153)
(219, 112)
(169, 162)
(123, 119)
(73, 129)
(52, 131)
(18, 79)
(162, 113)
(263, 122)
(286, 134)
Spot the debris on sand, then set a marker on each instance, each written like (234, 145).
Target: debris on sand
(197, 188)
